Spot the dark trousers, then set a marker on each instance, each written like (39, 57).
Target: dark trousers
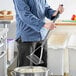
(26, 48)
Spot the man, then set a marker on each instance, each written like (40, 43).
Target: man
(31, 28)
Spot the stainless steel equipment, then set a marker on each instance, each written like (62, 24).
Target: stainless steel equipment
(30, 71)
(3, 63)
(3, 47)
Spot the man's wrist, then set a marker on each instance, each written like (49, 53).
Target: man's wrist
(55, 13)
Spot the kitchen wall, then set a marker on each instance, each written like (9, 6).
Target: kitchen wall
(69, 7)
(6, 5)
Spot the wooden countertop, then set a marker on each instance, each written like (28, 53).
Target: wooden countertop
(65, 23)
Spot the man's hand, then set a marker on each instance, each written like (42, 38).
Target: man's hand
(60, 10)
(50, 25)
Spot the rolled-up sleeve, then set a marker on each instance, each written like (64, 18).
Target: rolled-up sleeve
(26, 15)
(49, 12)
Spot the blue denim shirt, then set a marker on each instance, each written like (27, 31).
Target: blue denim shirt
(30, 15)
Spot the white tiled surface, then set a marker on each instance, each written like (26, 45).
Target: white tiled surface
(56, 46)
(72, 42)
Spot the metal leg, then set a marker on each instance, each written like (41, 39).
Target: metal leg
(5, 26)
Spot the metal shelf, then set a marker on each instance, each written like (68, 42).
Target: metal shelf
(3, 39)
